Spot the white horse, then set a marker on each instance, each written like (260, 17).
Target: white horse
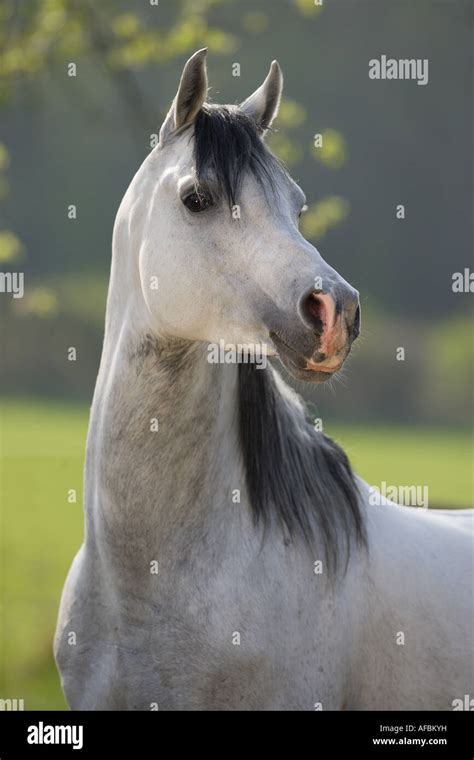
(231, 559)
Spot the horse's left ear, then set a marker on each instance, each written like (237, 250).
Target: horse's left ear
(262, 106)
(189, 99)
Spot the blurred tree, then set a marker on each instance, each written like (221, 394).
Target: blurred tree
(37, 35)
(309, 7)
(10, 246)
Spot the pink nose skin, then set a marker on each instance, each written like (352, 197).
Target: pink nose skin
(322, 308)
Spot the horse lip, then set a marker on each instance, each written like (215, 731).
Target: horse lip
(298, 365)
(314, 367)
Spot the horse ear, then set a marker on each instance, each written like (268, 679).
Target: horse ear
(192, 92)
(262, 106)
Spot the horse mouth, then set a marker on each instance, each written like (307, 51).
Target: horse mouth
(302, 368)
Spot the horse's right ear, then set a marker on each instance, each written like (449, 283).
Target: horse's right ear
(189, 99)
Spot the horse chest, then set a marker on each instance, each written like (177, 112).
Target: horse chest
(223, 644)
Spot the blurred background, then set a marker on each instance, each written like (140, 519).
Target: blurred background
(78, 140)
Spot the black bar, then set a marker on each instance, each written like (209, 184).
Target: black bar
(314, 735)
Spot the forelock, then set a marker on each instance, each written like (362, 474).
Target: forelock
(227, 145)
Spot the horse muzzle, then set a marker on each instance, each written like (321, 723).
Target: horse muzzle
(317, 346)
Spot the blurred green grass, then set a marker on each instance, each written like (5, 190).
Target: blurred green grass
(42, 447)
(42, 453)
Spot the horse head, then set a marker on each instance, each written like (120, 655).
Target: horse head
(213, 217)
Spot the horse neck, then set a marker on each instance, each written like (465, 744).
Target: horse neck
(162, 444)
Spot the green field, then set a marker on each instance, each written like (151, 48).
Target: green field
(42, 449)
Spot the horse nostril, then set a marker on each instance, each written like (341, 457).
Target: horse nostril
(318, 311)
(328, 316)
(314, 309)
(315, 312)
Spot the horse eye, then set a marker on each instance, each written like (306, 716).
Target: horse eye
(196, 202)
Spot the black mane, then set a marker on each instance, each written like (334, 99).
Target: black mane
(294, 473)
